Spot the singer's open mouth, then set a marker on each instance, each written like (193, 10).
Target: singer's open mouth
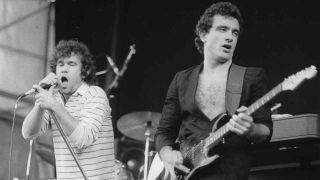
(63, 79)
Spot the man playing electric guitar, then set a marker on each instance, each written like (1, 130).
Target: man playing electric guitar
(197, 95)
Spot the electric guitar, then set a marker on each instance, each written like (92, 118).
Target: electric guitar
(197, 156)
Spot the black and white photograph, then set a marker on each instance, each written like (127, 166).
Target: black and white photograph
(159, 90)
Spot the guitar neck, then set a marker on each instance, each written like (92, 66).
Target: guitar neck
(264, 99)
(217, 136)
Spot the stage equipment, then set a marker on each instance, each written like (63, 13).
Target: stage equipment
(295, 143)
(135, 124)
(122, 173)
(120, 73)
(131, 153)
(140, 126)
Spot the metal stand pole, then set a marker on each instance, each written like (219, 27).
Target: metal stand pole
(146, 152)
(29, 160)
(68, 144)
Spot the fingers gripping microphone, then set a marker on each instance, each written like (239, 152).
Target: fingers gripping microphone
(42, 85)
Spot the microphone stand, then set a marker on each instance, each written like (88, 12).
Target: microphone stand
(29, 159)
(68, 144)
(114, 83)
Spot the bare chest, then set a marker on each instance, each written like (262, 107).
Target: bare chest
(210, 95)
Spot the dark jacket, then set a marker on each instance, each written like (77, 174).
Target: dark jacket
(182, 119)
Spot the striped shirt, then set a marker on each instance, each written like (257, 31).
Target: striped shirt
(92, 140)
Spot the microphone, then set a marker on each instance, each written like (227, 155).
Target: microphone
(42, 85)
(113, 65)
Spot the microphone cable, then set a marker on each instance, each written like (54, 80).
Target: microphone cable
(11, 134)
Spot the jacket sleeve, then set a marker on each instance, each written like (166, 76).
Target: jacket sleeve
(259, 88)
(169, 125)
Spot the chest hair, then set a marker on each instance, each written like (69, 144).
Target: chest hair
(210, 94)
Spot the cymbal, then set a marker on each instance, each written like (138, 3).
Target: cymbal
(134, 125)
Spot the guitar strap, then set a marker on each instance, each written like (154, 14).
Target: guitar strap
(234, 88)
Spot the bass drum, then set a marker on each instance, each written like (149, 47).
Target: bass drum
(122, 173)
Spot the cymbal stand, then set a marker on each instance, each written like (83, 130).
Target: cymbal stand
(115, 82)
(146, 151)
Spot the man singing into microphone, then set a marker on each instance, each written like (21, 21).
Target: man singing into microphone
(81, 109)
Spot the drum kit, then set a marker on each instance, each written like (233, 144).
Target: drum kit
(140, 126)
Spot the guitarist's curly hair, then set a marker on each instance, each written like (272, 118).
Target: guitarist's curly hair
(205, 22)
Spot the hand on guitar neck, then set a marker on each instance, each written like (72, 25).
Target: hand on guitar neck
(242, 124)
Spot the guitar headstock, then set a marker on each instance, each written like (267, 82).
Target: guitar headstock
(294, 80)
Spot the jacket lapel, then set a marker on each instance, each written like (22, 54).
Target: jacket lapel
(192, 88)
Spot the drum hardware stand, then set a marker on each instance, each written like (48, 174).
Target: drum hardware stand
(146, 152)
(119, 74)
(68, 144)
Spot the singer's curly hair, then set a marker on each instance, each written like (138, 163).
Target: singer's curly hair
(66, 48)
(205, 22)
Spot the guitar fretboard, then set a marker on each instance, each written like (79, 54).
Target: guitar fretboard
(264, 99)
